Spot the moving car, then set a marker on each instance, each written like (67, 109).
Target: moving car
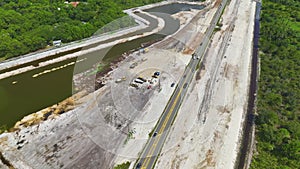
(185, 85)
(138, 166)
(195, 56)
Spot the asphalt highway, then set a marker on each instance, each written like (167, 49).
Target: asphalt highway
(155, 143)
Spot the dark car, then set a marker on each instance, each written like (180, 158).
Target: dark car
(154, 134)
(156, 73)
(173, 84)
(138, 166)
(185, 85)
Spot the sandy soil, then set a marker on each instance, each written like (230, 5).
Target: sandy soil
(144, 123)
(216, 101)
(193, 26)
(102, 121)
(117, 114)
(115, 110)
(186, 38)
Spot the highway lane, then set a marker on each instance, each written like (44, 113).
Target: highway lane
(154, 145)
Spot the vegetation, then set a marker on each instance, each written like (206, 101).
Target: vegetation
(129, 136)
(27, 25)
(3, 128)
(123, 166)
(278, 125)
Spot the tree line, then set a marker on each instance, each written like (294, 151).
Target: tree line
(277, 123)
(27, 25)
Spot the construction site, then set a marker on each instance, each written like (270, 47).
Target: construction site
(176, 102)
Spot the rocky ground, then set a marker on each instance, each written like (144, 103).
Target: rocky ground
(102, 120)
(111, 125)
(216, 100)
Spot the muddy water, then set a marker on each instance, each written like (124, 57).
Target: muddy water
(23, 94)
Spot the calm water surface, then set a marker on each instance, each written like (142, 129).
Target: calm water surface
(32, 94)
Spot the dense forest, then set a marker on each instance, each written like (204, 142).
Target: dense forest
(29, 25)
(278, 107)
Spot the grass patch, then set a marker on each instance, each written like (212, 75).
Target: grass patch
(100, 67)
(2, 59)
(3, 128)
(123, 166)
(295, 26)
(129, 136)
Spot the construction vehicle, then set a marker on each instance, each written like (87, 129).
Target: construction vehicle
(134, 85)
(138, 81)
(133, 65)
(120, 79)
(142, 79)
(156, 73)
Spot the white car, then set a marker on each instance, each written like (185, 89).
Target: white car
(194, 55)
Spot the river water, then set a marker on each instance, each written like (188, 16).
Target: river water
(31, 94)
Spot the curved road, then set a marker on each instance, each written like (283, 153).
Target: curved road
(33, 94)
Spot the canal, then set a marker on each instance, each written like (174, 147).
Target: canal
(31, 94)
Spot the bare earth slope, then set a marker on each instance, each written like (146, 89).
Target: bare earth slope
(207, 129)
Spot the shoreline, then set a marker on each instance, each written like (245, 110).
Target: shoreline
(160, 26)
(142, 23)
(81, 52)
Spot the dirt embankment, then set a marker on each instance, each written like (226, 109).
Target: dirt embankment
(101, 121)
(49, 113)
(217, 100)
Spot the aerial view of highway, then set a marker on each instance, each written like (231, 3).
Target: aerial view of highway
(160, 84)
(154, 146)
